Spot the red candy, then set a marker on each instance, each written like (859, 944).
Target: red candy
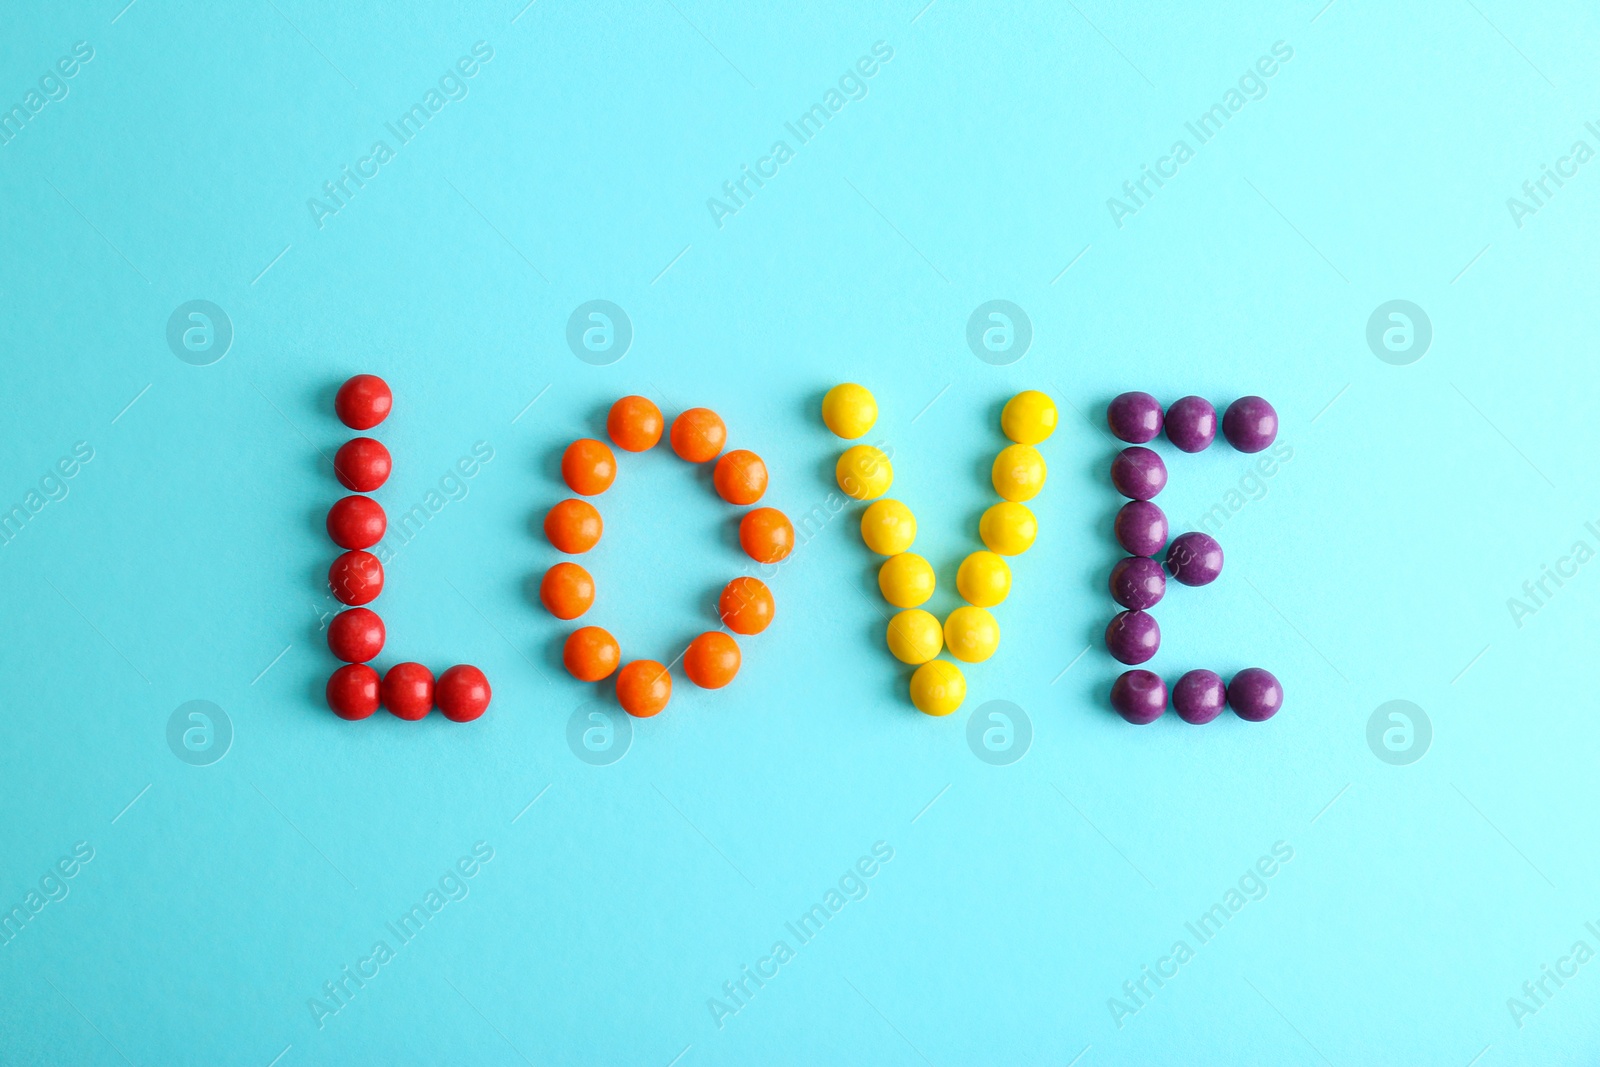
(362, 464)
(357, 522)
(408, 691)
(356, 636)
(356, 577)
(353, 691)
(462, 693)
(363, 401)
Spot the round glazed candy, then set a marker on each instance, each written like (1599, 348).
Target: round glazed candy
(1191, 426)
(588, 467)
(740, 477)
(971, 634)
(746, 605)
(864, 472)
(363, 401)
(938, 687)
(356, 636)
(566, 590)
(983, 579)
(1008, 529)
(1138, 473)
(1199, 697)
(590, 654)
(1250, 424)
(766, 535)
(888, 527)
(849, 410)
(356, 577)
(1018, 473)
(408, 691)
(1134, 417)
(353, 691)
(1029, 417)
(1194, 558)
(1255, 695)
(1141, 528)
(1139, 696)
(1133, 637)
(697, 436)
(357, 522)
(462, 693)
(915, 636)
(712, 660)
(643, 688)
(362, 464)
(1138, 582)
(906, 580)
(634, 424)
(573, 526)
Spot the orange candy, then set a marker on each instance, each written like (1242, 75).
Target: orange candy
(591, 654)
(567, 590)
(740, 477)
(573, 526)
(712, 660)
(746, 606)
(698, 435)
(588, 467)
(766, 535)
(634, 424)
(643, 688)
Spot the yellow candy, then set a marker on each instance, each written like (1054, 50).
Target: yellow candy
(1008, 529)
(1018, 472)
(888, 527)
(849, 410)
(906, 580)
(971, 634)
(915, 636)
(984, 579)
(938, 687)
(864, 472)
(1029, 417)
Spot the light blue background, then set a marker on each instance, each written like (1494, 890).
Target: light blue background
(186, 561)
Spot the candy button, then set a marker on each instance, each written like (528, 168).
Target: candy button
(1199, 696)
(849, 410)
(1134, 417)
(1141, 528)
(1138, 582)
(915, 636)
(634, 424)
(408, 691)
(1191, 425)
(938, 687)
(356, 522)
(712, 660)
(1018, 472)
(984, 579)
(356, 577)
(353, 691)
(1194, 558)
(588, 467)
(740, 477)
(590, 654)
(1250, 424)
(1029, 417)
(1138, 473)
(356, 636)
(746, 606)
(1008, 529)
(643, 688)
(573, 526)
(462, 693)
(566, 591)
(698, 435)
(1133, 637)
(906, 580)
(888, 527)
(864, 472)
(1139, 696)
(362, 464)
(1255, 695)
(971, 634)
(766, 535)
(363, 401)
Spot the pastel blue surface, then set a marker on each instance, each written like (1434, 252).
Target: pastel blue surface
(1428, 873)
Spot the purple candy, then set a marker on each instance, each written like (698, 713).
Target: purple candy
(1138, 473)
(1255, 695)
(1134, 417)
(1192, 424)
(1250, 424)
(1138, 582)
(1141, 528)
(1199, 697)
(1132, 637)
(1139, 696)
(1194, 558)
